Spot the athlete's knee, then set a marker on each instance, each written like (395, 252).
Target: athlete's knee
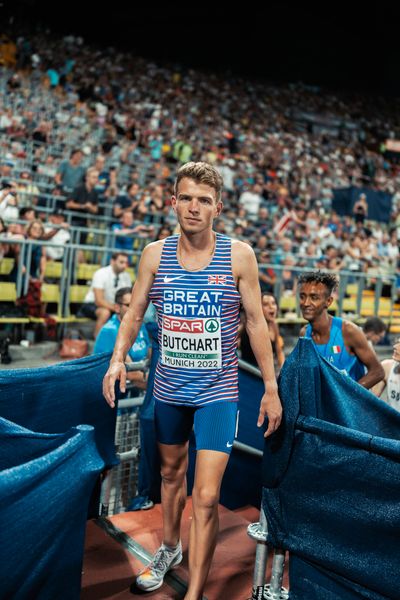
(205, 497)
(174, 471)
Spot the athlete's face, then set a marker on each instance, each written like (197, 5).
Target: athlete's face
(195, 205)
(396, 350)
(314, 300)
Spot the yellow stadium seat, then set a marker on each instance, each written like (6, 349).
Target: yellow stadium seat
(86, 270)
(50, 292)
(6, 266)
(77, 293)
(53, 269)
(349, 305)
(8, 291)
(352, 289)
(287, 303)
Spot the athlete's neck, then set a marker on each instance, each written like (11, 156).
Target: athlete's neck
(197, 256)
(321, 326)
(201, 242)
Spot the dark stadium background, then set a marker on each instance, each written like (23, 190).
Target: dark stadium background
(345, 45)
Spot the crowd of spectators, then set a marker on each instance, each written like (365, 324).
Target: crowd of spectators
(103, 131)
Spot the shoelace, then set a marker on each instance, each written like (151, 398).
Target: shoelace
(160, 562)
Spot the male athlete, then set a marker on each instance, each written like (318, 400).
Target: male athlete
(196, 280)
(340, 342)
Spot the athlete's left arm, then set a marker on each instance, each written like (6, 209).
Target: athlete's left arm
(355, 339)
(245, 271)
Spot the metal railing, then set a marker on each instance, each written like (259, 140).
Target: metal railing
(120, 484)
(68, 264)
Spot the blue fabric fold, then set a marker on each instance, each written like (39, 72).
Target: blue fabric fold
(52, 399)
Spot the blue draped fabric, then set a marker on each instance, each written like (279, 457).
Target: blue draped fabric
(332, 484)
(234, 495)
(45, 485)
(53, 399)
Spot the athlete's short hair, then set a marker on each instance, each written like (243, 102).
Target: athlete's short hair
(374, 325)
(121, 293)
(200, 172)
(329, 280)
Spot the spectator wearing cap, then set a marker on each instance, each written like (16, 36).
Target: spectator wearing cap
(99, 301)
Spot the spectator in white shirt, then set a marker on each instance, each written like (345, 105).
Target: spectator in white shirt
(99, 302)
(251, 200)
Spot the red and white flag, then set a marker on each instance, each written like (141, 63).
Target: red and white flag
(336, 349)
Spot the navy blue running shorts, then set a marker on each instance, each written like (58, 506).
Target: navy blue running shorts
(215, 424)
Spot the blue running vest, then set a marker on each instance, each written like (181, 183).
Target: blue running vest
(198, 318)
(335, 351)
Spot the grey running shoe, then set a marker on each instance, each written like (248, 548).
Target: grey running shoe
(152, 577)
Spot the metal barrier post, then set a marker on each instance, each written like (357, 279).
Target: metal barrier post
(105, 494)
(378, 294)
(274, 590)
(360, 290)
(259, 532)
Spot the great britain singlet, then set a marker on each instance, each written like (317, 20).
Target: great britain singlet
(198, 318)
(335, 351)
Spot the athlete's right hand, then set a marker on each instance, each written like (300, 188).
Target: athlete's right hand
(116, 372)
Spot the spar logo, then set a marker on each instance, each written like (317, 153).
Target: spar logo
(184, 325)
(211, 325)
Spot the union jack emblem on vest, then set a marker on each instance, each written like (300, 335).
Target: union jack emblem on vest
(217, 279)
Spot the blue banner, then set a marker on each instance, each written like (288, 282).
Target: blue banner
(45, 485)
(332, 485)
(379, 203)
